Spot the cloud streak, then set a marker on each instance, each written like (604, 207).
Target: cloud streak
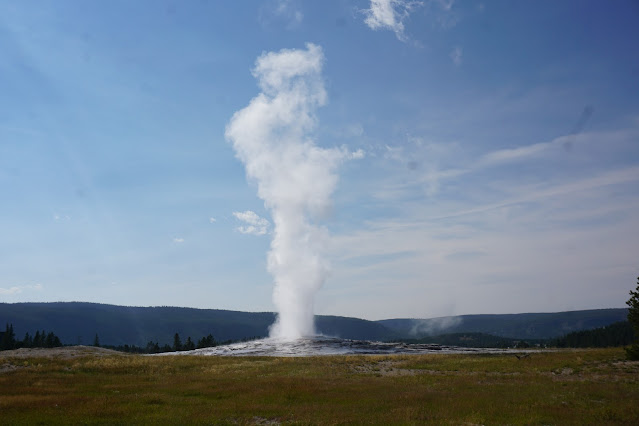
(19, 289)
(456, 56)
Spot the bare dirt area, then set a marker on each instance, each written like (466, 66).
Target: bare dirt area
(65, 352)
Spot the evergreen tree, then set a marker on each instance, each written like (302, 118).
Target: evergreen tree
(8, 338)
(206, 342)
(96, 341)
(37, 340)
(152, 348)
(189, 345)
(633, 317)
(177, 343)
(50, 341)
(27, 342)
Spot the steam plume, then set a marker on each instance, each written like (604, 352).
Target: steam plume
(295, 178)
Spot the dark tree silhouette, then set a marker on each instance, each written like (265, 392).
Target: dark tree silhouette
(8, 340)
(177, 343)
(206, 342)
(189, 345)
(27, 342)
(633, 317)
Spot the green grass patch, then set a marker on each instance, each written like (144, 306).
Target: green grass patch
(564, 387)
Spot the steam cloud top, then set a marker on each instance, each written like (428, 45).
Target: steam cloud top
(295, 178)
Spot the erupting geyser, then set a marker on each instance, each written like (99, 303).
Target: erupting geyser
(295, 178)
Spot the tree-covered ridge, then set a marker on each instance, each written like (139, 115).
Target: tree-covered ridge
(617, 334)
(78, 323)
(519, 326)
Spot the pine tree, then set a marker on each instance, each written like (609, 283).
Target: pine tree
(633, 317)
(189, 345)
(37, 340)
(96, 341)
(50, 341)
(206, 342)
(177, 343)
(8, 338)
(27, 342)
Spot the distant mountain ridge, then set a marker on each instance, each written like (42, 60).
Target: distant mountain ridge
(79, 322)
(522, 326)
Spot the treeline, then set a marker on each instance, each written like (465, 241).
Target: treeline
(613, 335)
(41, 339)
(616, 334)
(155, 348)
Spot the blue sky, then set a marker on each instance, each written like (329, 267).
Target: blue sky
(497, 167)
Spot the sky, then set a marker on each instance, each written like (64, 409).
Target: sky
(489, 153)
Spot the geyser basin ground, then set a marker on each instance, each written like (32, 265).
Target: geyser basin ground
(577, 386)
(322, 345)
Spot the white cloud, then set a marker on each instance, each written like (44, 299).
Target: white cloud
(256, 225)
(178, 240)
(19, 289)
(390, 14)
(10, 290)
(496, 238)
(435, 166)
(508, 155)
(456, 55)
(357, 155)
(212, 220)
(515, 255)
(282, 13)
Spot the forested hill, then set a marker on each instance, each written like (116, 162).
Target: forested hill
(78, 323)
(522, 326)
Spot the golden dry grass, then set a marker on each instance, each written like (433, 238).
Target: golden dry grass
(566, 387)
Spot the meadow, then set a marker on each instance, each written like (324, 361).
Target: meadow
(550, 387)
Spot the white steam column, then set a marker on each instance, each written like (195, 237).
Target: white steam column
(295, 178)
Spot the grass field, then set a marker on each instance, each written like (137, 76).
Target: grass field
(565, 387)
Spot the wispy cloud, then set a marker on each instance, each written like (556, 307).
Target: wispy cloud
(356, 155)
(19, 289)
(178, 240)
(491, 231)
(456, 56)
(543, 240)
(212, 220)
(390, 15)
(256, 225)
(432, 175)
(286, 13)
(445, 16)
